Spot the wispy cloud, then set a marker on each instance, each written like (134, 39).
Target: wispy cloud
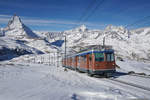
(4, 19)
(5, 16)
(35, 21)
(42, 22)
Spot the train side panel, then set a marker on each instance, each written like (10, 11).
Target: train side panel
(74, 62)
(82, 63)
(91, 62)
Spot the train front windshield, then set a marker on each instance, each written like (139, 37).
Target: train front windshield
(100, 56)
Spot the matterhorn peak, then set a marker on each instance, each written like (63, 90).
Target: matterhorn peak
(15, 22)
(16, 28)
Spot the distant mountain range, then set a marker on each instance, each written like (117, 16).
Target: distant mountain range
(128, 44)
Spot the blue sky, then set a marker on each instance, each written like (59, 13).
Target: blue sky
(59, 15)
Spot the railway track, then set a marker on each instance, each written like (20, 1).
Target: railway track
(126, 83)
(130, 84)
(117, 74)
(143, 76)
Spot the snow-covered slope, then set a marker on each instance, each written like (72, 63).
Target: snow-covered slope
(16, 28)
(10, 48)
(28, 81)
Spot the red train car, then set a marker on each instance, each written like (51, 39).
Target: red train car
(93, 62)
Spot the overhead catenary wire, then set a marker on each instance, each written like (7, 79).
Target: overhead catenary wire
(91, 4)
(87, 16)
(137, 22)
(143, 23)
(94, 10)
(94, 5)
(89, 7)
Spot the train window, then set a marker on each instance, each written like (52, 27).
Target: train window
(99, 56)
(110, 57)
(79, 59)
(84, 58)
(73, 59)
(90, 57)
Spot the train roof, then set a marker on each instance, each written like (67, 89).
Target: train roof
(95, 51)
(90, 52)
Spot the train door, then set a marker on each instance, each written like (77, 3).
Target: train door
(110, 60)
(83, 64)
(91, 63)
(76, 61)
(87, 62)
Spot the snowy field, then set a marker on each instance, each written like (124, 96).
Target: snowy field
(29, 81)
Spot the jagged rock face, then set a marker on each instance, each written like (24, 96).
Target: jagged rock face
(115, 28)
(16, 28)
(118, 32)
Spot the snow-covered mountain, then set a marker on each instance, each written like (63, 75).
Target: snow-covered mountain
(16, 28)
(17, 39)
(128, 44)
(117, 32)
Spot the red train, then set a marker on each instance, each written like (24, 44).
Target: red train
(93, 62)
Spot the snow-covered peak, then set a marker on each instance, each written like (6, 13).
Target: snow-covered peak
(16, 28)
(81, 28)
(115, 28)
(15, 22)
(78, 30)
(142, 31)
(109, 27)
